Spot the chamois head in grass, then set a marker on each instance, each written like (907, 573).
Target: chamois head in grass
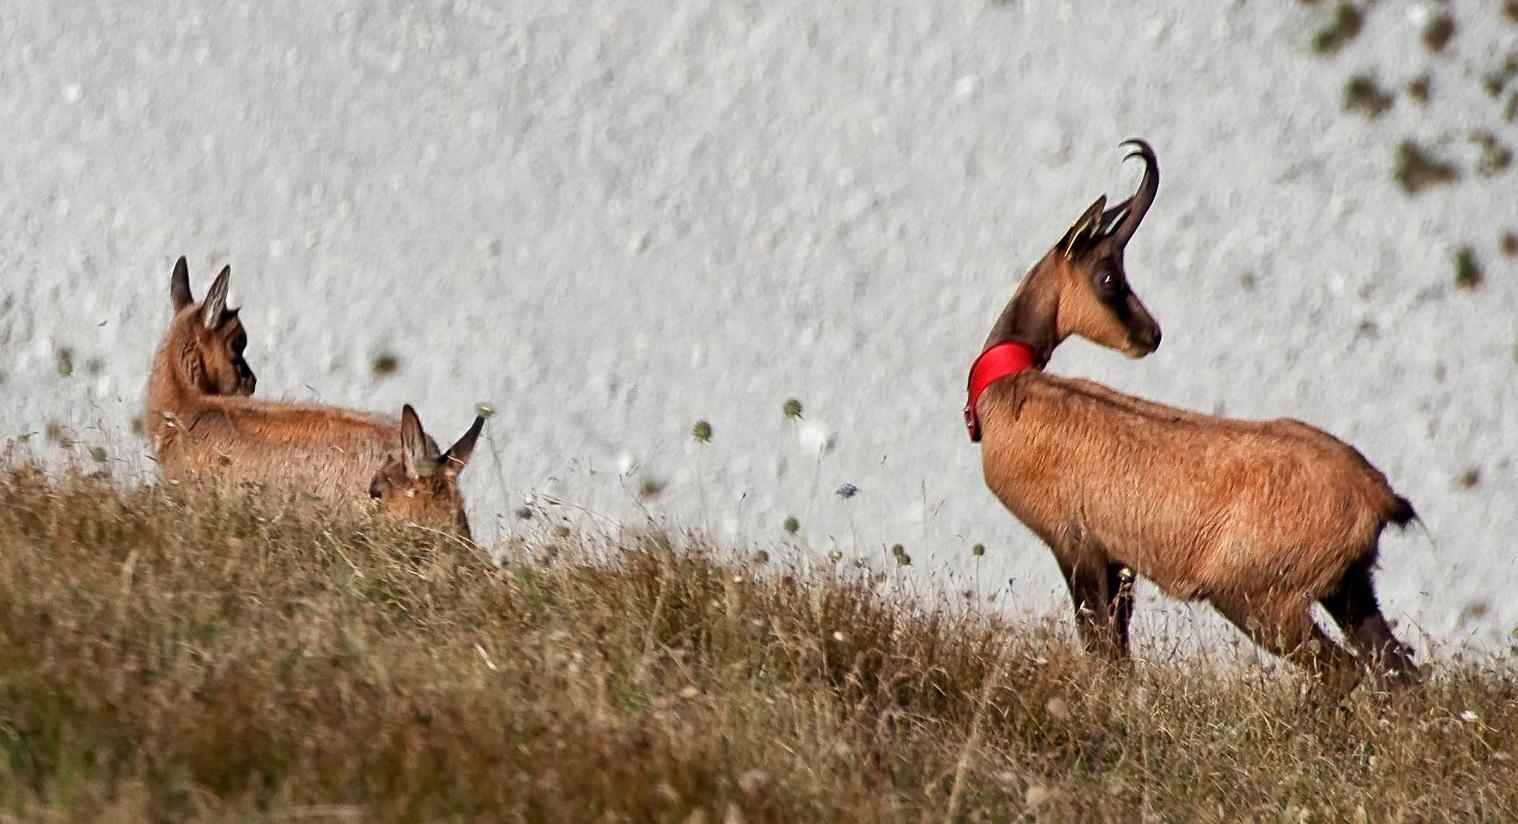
(422, 485)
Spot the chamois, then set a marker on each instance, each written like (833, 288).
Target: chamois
(203, 424)
(422, 485)
(1258, 518)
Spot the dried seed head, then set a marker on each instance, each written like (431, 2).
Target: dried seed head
(753, 782)
(385, 364)
(1467, 271)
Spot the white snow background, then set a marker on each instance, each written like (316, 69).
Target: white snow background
(611, 219)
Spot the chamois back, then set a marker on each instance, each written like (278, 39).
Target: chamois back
(1200, 505)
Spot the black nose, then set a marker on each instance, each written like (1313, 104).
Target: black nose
(1155, 343)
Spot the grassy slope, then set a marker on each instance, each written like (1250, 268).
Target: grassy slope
(173, 655)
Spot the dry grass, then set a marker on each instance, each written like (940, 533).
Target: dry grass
(167, 655)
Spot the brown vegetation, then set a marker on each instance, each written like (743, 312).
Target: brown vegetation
(170, 655)
(1438, 31)
(1418, 170)
(1363, 94)
(1468, 273)
(1344, 27)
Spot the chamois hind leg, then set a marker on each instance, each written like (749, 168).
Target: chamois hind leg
(1353, 606)
(1102, 626)
(1289, 632)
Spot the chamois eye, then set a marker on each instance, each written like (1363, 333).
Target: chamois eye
(1108, 281)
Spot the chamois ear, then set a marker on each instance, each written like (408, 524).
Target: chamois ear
(1087, 227)
(413, 443)
(457, 456)
(1114, 217)
(179, 285)
(216, 299)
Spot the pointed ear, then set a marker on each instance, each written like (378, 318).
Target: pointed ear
(413, 444)
(1112, 217)
(179, 286)
(216, 299)
(457, 456)
(1088, 224)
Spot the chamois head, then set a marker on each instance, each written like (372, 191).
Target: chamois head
(422, 485)
(1080, 286)
(1096, 302)
(209, 337)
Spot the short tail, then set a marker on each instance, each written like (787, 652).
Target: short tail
(1402, 512)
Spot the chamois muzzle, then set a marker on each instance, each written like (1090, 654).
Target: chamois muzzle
(1143, 330)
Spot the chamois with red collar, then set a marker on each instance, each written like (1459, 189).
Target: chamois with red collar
(1259, 518)
(203, 423)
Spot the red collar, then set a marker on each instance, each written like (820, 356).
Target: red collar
(998, 362)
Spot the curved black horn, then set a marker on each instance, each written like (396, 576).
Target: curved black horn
(1139, 204)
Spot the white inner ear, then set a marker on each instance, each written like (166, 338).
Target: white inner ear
(216, 299)
(409, 459)
(1076, 233)
(210, 312)
(413, 448)
(1118, 219)
(1095, 232)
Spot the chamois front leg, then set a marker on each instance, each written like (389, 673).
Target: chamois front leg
(1101, 607)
